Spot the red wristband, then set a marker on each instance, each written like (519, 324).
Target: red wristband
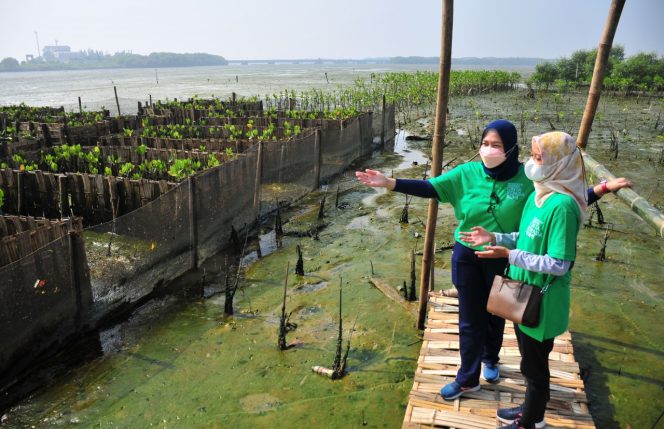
(605, 189)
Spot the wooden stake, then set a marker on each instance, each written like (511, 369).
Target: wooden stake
(337, 358)
(600, 71)
(80, 106)
(437, 154)
(299, 266)
(117, 102)
(282, 321)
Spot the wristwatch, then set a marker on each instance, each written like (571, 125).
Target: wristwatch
(605, 189)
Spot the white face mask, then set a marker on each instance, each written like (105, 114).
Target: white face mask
(492, 157)
(536, 172)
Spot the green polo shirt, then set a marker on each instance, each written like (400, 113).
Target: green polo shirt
(468, 188)
(549, 230)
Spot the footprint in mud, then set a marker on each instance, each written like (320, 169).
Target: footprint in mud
(259, 403)
(310, 287)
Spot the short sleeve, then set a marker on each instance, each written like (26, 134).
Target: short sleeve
(447, 185)
(564, 227)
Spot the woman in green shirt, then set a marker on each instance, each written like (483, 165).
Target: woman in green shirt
(543, 253)
(491, 193)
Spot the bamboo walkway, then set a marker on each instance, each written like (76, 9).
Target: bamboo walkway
(438, 363)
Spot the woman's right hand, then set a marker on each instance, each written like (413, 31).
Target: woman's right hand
(477, 236)
(375, 179)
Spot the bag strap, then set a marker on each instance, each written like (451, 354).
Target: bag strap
(544, 288)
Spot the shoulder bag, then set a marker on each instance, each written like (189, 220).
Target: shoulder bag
(516, 300)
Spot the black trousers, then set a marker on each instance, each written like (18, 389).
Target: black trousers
(480, 333)
(535, 369)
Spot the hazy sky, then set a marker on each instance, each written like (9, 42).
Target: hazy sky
(260, 29)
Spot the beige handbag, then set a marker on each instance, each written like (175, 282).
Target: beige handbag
(516, 301)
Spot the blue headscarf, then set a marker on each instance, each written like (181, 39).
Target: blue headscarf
(507, 132)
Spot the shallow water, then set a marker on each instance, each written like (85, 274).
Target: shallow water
(95, 87)
(184, 364)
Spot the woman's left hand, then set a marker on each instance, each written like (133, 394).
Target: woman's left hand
(493, 252)
(615, 184)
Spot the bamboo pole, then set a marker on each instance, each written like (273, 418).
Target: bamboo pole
(437, 154)
(637, 203)
(600, 71)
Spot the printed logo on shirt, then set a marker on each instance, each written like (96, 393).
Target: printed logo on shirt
(535, 228)
(515, 191)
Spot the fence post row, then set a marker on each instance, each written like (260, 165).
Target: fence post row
(193, 231)
(259, 179)
(319, 158)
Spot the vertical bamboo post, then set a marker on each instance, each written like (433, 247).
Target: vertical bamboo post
(437, 154)
(319, 158)
(117, 102)
(193, 230)
(382, 124)
(259, 175)
(21, 197)
(600, 71)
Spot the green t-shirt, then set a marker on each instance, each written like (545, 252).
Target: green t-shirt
(549, 230)
(469, 189)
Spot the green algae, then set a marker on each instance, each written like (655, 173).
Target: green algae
(190, 366)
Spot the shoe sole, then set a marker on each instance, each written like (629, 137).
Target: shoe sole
(538, 425)
(472, 389)
(492, 381)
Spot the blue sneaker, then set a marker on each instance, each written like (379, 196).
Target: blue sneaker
(453, 390)
(512, 416)
(490, 373)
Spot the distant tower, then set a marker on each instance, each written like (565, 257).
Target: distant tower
(38, 50)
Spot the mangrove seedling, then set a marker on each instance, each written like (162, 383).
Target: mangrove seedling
(404, 212)
(282, 321)
(601, 256)
(278, 227)
(235, 239)
(411, 290)
(299, 266)
(321, 208)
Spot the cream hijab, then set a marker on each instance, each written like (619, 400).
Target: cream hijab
(561, 156)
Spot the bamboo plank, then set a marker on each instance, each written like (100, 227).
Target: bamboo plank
(439, 361)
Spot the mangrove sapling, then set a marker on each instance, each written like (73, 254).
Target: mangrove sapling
(230, 293)
(278, 227)
(282, 321)
(411, 290)
(235, 239)
(601, 256)
(404, 211)
(341, 371)
(339, 366)
(426, 169)
(336, 199)
(299, 266)
(595, 211)
(321, 207)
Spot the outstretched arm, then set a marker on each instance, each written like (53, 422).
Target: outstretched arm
(598, 191)
(376, 179)
(478, 236)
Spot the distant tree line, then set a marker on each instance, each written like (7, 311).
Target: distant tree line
(472, 61)
(643, 72)
(95, 59)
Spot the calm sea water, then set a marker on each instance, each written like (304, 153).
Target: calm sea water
(95, 87)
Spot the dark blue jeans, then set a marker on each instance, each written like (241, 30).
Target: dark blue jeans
(480, 333)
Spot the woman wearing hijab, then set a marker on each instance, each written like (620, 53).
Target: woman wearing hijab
(491, 194)
(543, 253)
